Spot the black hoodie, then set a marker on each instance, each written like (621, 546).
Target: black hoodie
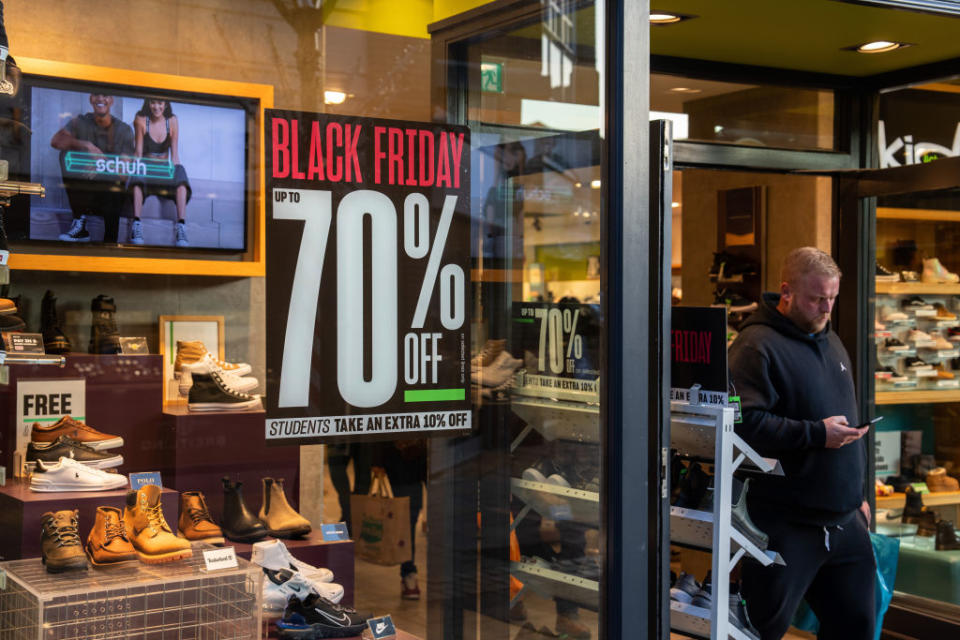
(788, 382)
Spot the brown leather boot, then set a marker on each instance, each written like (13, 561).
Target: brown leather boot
(148, 530)
(277, 515)
(195, 523)
(107, 543)
(60, 548)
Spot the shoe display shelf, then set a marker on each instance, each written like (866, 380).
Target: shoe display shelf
(557, 414)
(176, 600)
(312, 549)
(123, 397)
(706, 432)
(945, 502)
(21, 508)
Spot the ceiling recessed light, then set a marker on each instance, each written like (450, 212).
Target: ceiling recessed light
(660, 18)
(334, 97)
(878, 46)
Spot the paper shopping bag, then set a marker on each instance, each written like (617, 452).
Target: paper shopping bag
(381, 525)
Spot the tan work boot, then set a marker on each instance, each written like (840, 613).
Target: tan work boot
(148, 530)
(190, 351)
(937, 480)
(277, 515)
(107, 543)
(195, 523)
(60, 548)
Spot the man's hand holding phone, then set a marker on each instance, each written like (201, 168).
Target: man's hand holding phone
(840, 433)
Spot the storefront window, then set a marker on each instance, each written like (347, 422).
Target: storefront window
(290, 289)
(916, 388)
(744, 114)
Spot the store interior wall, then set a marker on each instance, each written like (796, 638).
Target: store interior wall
(798, 213)
(255, 41)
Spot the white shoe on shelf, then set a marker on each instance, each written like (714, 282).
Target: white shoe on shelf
(69, 475)
(273, 554)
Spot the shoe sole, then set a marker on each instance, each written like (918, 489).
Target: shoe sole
(217, 540)
(242, 386)
(163, 558)
(253, 537)
(680, 595)
(321, 631)
(101, 445)
(224, 406)
(63, 487)
(295, 532)
(106, 463)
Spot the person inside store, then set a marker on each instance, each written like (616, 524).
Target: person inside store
(796, 386)
(338, 458)
(404, 463)
(98, 132)
(157, 136)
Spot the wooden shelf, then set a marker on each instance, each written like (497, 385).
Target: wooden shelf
(917, 288)
(918, 397)
(938, 499)
(922, 215)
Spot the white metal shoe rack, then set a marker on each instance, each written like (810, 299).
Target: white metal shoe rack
(706, 432)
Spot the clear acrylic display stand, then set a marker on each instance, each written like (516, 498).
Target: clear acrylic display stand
(134, 600)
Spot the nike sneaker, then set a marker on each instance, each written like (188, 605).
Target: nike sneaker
(280, 586)
(273, 554)
(315, 617)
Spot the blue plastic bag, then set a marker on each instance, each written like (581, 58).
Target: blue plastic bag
(886, 552)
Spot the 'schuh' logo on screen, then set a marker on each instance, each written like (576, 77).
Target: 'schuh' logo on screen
(103, 164)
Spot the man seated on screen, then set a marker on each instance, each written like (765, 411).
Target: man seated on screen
(95, 188)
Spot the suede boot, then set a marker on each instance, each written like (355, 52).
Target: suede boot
(277, 515)
(148, 530)
(195, 522)
(107, 543)
(238, 523)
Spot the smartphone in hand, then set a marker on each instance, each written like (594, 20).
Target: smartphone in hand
(869, 422)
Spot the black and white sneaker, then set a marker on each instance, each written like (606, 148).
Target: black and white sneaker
(885, 275)
(892, 344)
(889, 374)
(211, 393)
(316, 617)
(916, 303)
(916, 364)
(77, 231)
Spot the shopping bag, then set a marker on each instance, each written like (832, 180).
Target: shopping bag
(886, 551)
(381, 524)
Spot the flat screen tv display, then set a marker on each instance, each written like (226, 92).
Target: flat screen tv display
(134, 167)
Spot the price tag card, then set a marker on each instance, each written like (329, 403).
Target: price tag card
(334, 532)
(138, 480)
(217, 559)
(368, 278)
(920, 487)
(734, 401)
(135, 346)
(25, 343)
(382, 628)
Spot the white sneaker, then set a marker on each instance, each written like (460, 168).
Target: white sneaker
(273, 554)
(499, 371)
(208, 364)
(278, 586)
(69, 475)
(889, 314)
(136, 232)
(915, 335)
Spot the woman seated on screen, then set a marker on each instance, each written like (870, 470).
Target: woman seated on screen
(157, 132)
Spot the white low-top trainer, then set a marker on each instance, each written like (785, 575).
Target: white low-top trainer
(273, 554)
(278, 586)
(69, 475)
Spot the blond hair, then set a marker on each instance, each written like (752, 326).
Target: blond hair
(807, 260)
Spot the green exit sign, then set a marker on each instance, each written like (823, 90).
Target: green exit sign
(491, 77)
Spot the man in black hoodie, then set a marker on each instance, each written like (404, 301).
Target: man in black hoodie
(796, 388)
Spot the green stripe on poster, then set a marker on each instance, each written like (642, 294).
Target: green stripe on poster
(434, 395)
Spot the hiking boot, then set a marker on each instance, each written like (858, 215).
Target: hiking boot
(740, 519)
(104, 337)
(915, 512)
(947, 539)
(190, 351)
(195, 523)
(54, 341)
(277, 515)
(77, 231)
(239, 524)
(148, 530)
(60, 548)
(107, 543)
(75, 430)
